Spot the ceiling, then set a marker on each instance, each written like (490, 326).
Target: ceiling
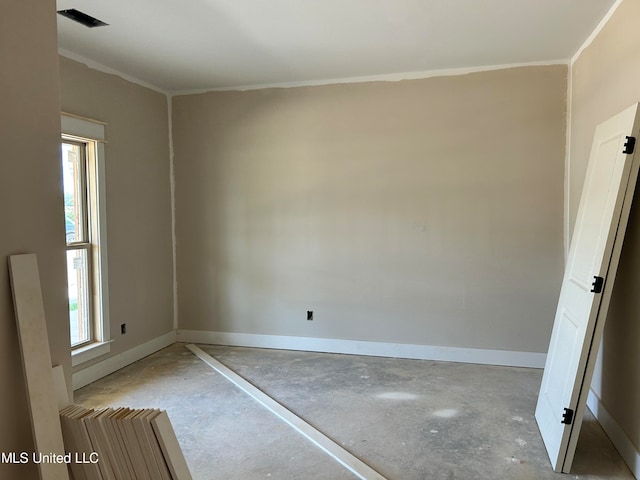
(189, 45)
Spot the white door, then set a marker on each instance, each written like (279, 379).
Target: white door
(587, 284)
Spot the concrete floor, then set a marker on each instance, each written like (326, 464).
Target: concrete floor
(407, 419)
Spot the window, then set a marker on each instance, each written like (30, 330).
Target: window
(79, 241)
(82, 156)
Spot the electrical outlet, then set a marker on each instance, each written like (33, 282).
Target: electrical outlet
(123, 329)
(310, 315)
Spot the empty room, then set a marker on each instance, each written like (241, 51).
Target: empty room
(330, 240)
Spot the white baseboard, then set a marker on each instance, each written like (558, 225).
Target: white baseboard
(101, 369)
(620, 440)
(376, 349)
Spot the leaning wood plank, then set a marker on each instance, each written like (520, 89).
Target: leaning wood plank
(84, 443)
(121, 438)
(60, 386)
(99, 443)
(133, 445)
(144, 440)
(36, 363)
(158, 456)
(112, 452)
(170, 447)
(342, 456)
(113, 435)
(71, 446)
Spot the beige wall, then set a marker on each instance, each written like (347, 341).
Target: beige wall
(605, 80)
(138, 198)
(423, 211)
(31, 204)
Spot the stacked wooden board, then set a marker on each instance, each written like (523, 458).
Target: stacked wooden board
(121, 444)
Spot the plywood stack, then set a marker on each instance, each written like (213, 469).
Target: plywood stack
(122, 443)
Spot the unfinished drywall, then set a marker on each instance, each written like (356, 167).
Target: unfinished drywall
(31, 202)
(423, 211)
(139, 232)
(606, 80)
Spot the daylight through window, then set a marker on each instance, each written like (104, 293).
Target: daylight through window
(79, 239)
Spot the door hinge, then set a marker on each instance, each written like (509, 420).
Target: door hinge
(567, 416)
(597, 284)
(629, 145)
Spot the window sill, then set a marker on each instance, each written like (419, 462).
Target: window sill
(89, 352)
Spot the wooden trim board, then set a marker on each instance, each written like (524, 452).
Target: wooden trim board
(331, 448)
(170, 447)
(36, 363)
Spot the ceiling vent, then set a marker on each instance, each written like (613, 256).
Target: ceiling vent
(81, 17)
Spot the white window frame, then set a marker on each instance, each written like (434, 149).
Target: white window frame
(93, 131)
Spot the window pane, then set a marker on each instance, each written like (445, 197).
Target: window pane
(78, 284)
(73, 184)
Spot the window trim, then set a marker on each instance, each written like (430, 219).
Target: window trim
(93, 132)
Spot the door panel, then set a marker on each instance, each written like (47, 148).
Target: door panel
(592, 227)
(594, 252)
